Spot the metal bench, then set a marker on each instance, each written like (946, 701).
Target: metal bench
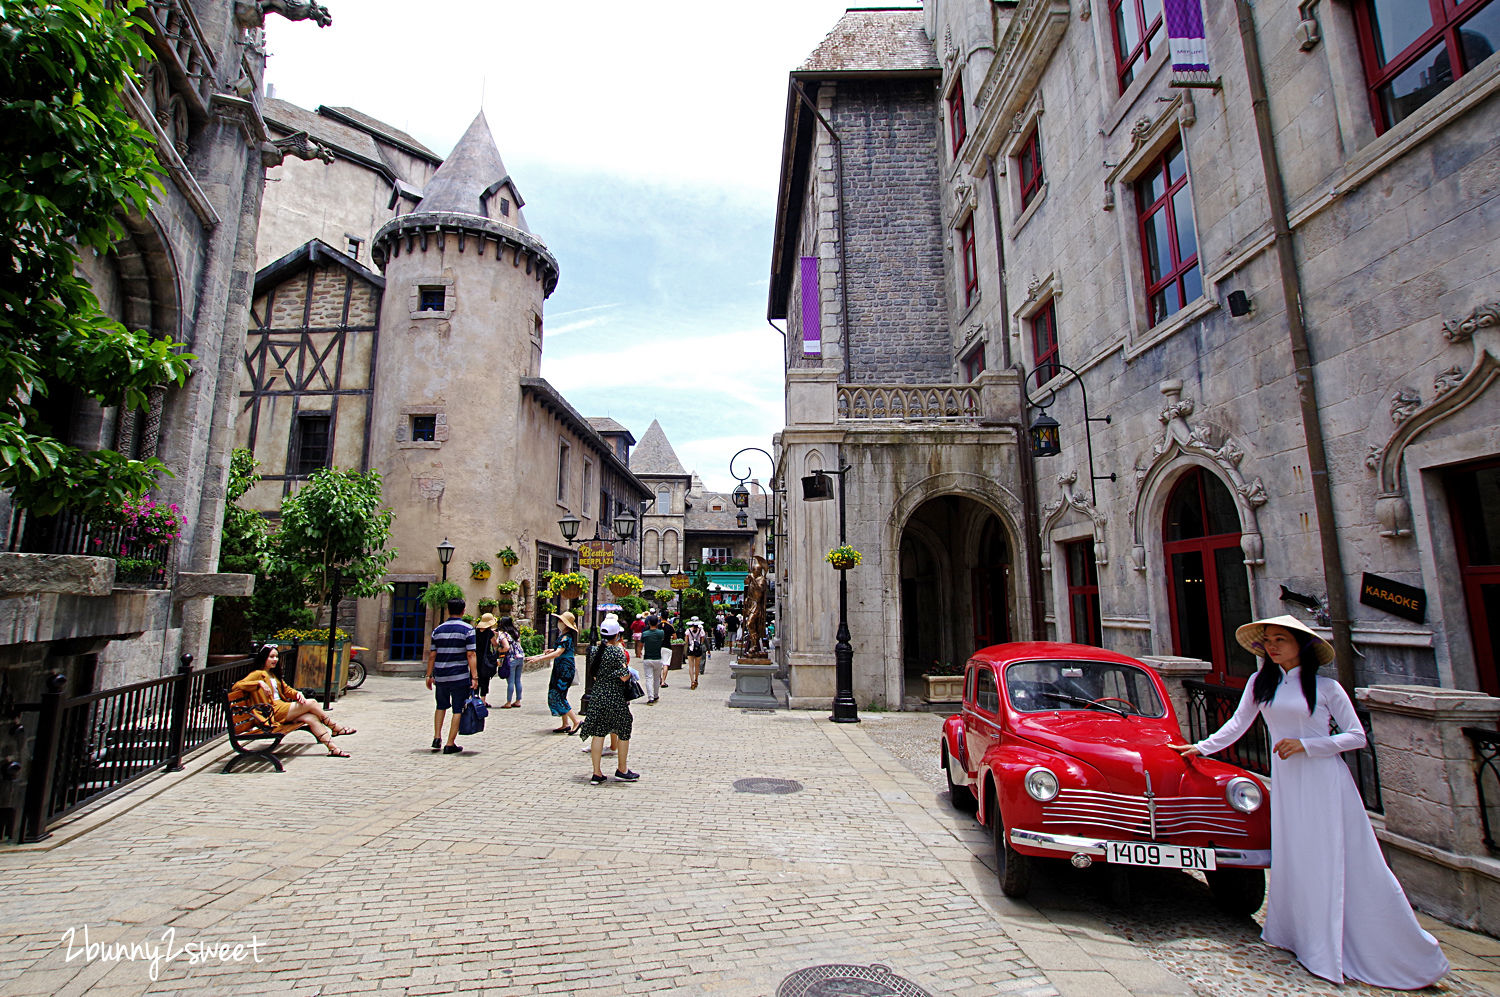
(247, 726)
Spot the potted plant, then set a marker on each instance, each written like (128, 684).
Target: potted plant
(507, 593)
(507, 557)
(945, 682)
(843, 557)
(479, 570)
(436, 595)
(567, 584)
(488, 606)
(624, 584)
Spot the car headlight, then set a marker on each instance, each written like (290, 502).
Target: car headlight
(1244, 794)
(1041, 784)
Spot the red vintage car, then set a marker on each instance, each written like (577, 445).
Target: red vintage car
(1062, 748)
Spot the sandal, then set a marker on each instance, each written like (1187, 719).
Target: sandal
(333, 752)
(339, 729)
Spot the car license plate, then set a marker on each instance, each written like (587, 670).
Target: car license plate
(1161, 856)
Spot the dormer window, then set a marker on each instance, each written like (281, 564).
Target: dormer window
(505, 207)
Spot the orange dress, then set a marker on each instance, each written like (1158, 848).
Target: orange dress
(262, 688)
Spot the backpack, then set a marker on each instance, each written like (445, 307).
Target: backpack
(515, 658)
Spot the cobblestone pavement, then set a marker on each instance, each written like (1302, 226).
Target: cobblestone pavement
(504, 871)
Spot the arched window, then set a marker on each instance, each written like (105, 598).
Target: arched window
(1207, 581)
(663, 505)
(670, 550)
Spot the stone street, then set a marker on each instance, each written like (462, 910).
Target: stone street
(502, 870)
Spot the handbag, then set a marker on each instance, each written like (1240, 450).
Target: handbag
(633, 689)
(471, 720)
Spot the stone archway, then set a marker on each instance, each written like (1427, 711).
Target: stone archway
(957, 585)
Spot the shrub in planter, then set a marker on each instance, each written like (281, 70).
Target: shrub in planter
(488, 605)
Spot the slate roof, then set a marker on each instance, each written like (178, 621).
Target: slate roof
(472, 168)
(395, 135)
(291, 118)
(311, 252)
(873, 40)
(654, 455)
(701, 519)
(604, 424)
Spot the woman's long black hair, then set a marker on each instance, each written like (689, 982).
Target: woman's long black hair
(262, 655)
(1269, 677)
(509, 626)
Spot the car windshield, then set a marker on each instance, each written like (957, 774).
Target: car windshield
(1105, 686)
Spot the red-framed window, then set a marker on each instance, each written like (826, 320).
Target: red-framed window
(971, 261)
(1412, 49)
(1208, 586)
(958, 130)
(1029, 167)
(1083, 592)
(1474, 505)
(1138, 33)
(1044, 342)
(1169, 245)
(973, 363)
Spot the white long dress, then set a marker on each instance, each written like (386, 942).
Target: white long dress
(1333, 901)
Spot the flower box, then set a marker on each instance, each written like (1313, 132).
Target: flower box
(944, 688)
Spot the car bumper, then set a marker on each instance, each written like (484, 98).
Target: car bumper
(1065, 845)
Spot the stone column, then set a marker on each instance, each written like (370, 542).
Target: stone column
(1173, 671)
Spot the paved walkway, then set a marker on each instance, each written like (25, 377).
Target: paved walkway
(504, 871)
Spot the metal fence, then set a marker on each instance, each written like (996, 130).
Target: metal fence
(137, 564)
(1211, 706)
(91, 745)
(1487, 773)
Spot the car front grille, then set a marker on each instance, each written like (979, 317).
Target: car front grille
(1132, 814)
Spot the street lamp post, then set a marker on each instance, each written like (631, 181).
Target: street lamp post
(815, 489)
(604, 555)
(445, 554)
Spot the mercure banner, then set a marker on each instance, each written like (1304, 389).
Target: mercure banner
(1185, 36)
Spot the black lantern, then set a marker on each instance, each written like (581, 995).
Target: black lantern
(692, 565)
(569, 526)
(741, 519)
(624, 525)
(740, 496)
(666, 567)
(1046, 440)
(817, 487)
(445, 554)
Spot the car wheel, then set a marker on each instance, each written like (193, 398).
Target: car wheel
(1011, 867)
(962, 796)
(1238, 891)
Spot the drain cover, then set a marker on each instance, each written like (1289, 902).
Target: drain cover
(767, 787)
(757, 711)
(848, 981)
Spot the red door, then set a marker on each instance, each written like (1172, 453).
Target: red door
(1207, 581)
(1474, 500)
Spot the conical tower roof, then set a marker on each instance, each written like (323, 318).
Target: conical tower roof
(473, 180)
(654, 456)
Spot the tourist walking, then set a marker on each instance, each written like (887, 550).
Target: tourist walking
(653, 668)
(1333, 901)
(452, 671)
(637, 627)
(564, 672)
(609, 710)
(697, 646)
(486, 653)
(512, 661)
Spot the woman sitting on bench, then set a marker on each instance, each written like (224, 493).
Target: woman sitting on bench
(265, 687)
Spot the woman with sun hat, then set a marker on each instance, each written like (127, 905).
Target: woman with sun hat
(564, 671)
(1333, 901)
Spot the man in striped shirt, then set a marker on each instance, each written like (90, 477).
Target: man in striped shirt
(452, 671)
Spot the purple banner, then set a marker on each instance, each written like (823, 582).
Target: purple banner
(812, 309)
(1186, 37)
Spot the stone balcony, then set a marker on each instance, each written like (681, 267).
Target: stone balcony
(816, 397)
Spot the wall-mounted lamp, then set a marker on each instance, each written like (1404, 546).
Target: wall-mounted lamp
(1240, 304)
(1046, 434)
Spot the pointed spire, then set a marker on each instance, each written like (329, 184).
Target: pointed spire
(654, 455)
(473, 180)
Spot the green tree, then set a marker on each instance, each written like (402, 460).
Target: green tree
(335, 524)
(695, 598)
(73, 162)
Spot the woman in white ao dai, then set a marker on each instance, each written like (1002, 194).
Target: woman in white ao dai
(1333, 902)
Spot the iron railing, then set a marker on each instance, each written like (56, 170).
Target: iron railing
(138, 564)
(1486, 770)
(88, 746)
(1211, 706)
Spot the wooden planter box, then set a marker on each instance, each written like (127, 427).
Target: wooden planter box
(944, 688)
(312, 663)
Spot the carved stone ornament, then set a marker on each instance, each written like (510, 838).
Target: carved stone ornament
(1181, 442)
(965, 195)
(298, 144)
(1404, 403)
(1079, 502)
(1456, 391)
(1372, 459)
(252, 13)
(1033, 287)
(1139, 131)
(1085, 10)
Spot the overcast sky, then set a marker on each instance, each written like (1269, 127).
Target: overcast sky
(646, 141)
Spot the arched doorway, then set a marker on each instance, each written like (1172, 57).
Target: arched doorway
(1206, 577)
(957, 585)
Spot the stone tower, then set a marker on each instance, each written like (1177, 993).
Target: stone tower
(460, 327)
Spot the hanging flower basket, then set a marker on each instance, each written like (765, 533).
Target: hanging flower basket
(843, 557)
(567, 584)
(624, 584)
(507, 557)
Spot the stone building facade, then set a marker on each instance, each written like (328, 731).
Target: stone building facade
(1269, 341)
(183, 271)
(400, 330)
